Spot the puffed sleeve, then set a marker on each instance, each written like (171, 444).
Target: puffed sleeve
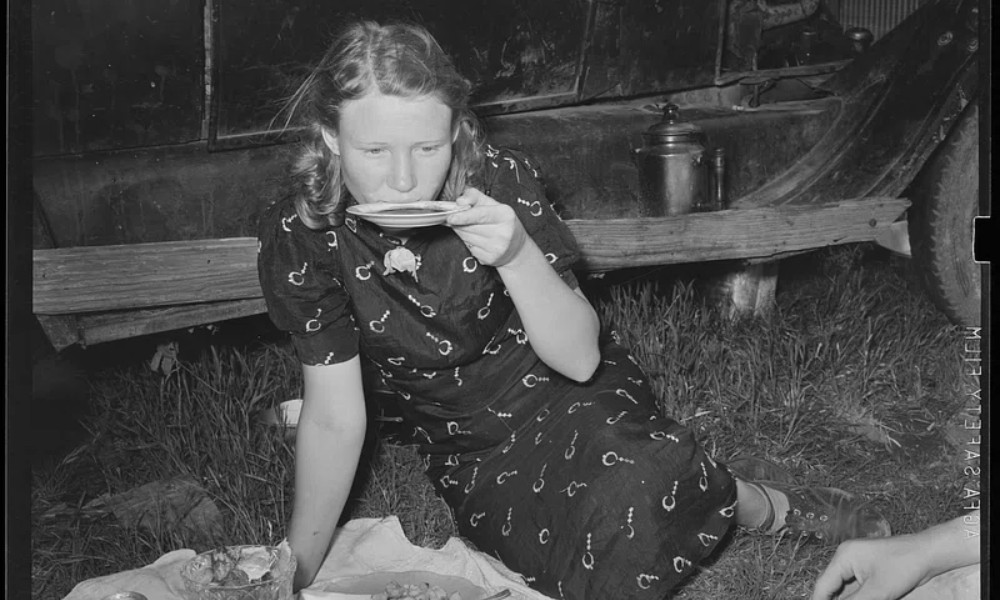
(513, 179)
(302, 288)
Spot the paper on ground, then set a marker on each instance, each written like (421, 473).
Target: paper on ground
(365, 546)
(360, 547)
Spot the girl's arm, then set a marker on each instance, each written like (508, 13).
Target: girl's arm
(561, 324)
(329, 436)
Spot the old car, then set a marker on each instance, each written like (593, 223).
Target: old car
(157, 137)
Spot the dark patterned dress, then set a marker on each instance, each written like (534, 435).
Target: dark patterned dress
(585, 489)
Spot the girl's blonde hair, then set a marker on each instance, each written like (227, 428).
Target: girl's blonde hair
(396, 59)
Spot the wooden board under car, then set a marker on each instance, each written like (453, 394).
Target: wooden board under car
(127, 290)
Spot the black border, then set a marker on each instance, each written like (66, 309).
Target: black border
(18, 300)
(985, 199)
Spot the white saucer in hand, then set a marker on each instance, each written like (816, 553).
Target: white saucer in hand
(406, 215)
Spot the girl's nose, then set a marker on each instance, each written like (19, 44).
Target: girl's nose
(402, 178)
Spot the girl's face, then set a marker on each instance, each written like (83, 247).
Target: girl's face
(393, 149)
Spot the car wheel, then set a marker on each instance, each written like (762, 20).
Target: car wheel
(945, 199)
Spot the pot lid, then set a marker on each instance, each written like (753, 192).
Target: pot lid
(672, 129)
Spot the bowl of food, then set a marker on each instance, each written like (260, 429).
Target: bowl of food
(240, 573)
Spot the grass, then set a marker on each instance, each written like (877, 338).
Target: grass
(853, 381)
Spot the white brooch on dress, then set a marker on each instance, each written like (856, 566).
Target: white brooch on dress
(401, 259)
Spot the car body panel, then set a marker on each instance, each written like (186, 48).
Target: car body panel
(864, 131)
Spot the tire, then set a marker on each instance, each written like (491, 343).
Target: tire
(945, 198)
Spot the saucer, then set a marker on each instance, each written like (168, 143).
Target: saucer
(406, 215)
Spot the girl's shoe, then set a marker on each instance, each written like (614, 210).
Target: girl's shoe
(828, 514)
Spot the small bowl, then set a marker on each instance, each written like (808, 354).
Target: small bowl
(276, 586)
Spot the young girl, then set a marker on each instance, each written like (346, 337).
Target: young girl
(544, 441)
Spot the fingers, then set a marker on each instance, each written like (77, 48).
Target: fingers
(827, 586)
(490, 230)
(472, 197)
(483, 210)
(836, 574)
(880, 587)
(474, 216)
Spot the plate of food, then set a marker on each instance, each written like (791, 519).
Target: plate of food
(404, 585)
(406, 215)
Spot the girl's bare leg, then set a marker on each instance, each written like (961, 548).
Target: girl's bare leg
(754, 508)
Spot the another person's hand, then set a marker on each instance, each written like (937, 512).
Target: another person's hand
(491, 230)
(874, 569)
(889, 568)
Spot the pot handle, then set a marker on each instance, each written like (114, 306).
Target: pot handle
(671, 112)
(718, 171)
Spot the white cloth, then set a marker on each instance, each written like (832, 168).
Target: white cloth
(367, 546)
(158, 581)
(958, 584)
(360, 547)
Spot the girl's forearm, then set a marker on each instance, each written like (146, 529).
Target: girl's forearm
(561, 324)
(325, 465)
(329, 436)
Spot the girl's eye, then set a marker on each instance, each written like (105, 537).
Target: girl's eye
(374, 151)
(430, 149)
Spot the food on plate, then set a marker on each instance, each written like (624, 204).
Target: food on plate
(240, 573)
(233, 566)
(414, 591)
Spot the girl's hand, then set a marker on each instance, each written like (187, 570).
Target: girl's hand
(491, 231)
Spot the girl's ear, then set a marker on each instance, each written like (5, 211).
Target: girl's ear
(331, 140)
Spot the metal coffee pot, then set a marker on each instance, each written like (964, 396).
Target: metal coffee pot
(675, 167)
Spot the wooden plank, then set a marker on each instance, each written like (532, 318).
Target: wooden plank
(62, 331)
(102, 278)
(731, 234)
(107, 327)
